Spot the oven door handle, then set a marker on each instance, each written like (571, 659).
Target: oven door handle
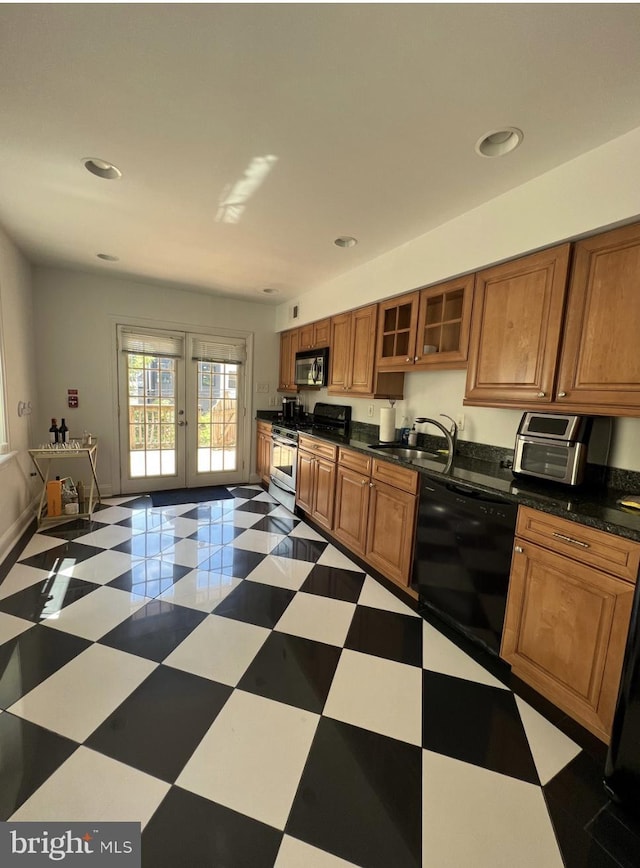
(283, 442)
(280, 486)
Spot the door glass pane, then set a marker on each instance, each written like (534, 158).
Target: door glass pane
(151, 402)
(217, 416)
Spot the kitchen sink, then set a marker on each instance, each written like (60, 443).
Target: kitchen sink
(406, 452)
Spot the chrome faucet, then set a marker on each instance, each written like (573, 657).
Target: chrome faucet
(453, 430)
(450, 435)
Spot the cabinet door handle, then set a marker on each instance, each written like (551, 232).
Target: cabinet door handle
(570, 539)
(562, 394)
(371, 485)
(408, 359)
(364, 481)
(518, 549)
(415, 358)
(541, 394)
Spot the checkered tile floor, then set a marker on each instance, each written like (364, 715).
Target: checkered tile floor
(224, 675)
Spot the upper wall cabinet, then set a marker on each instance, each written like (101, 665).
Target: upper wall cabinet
(315, 335)
(600, 361)
(352, 358)
(288, 350)
(515, 330)
(426, 329)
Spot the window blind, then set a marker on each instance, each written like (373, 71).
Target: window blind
(224, 351)
(150, 343)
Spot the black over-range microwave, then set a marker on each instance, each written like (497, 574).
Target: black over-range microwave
(312, 367)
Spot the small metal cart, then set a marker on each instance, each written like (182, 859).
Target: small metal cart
(44, 454)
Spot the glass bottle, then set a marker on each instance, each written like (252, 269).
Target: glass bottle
(63, 430)
(53, 431)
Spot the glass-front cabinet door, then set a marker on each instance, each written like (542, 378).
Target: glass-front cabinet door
(443, 324)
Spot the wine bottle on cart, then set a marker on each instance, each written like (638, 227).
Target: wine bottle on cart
(53, 432)
(63, 431)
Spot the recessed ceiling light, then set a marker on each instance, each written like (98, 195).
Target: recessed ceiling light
(102, 169)
(269, 290)
(108, 257)
(345, 241)
(497, 143)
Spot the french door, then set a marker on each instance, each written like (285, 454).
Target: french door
(181, 408)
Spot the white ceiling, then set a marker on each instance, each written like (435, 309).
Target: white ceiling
(372, 111)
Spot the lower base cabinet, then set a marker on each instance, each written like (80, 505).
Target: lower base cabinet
(316, 480)
(567, 618)
(263, 451)
(375, 515)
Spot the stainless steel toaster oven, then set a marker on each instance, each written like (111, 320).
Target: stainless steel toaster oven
(552, 446)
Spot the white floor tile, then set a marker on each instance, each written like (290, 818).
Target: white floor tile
(264, 497)
(77, 698)
(102, 568)
(377, 597)
(220, 649)
(178, 509)
(551, 749)
(112, 514)
(10, 627)
(305, 532)
(90, 786)
(281, 572)
(439, 654)
(296, 854)
(19, 577)
(331, 557)
(377, 694)
(108, 537)
(94, 615)
(181, 527)
(40, 542)
(252, 757)
(240, 519)
(281, 512)
(475, 817)
(188, 553)
(257, 541)
(316, 617)
(200, 590)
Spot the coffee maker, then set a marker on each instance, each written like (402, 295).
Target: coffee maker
(291, 409)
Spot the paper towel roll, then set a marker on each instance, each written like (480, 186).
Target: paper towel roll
(387, 425)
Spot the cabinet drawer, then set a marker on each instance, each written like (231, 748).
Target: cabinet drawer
(318, 447)
(264, 428)
(355, 461)
(392, 474)
(613, 554)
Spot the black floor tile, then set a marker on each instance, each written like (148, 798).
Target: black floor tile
(231, 561)
(157, 728)
(245, 492)
(579, 788)
(476, 724)
(258, 506)
(61, 557)
(33, 656)
(28, 755)
(292, 670)
(276, 524)
(386, 634)
(618, 838)
(138, 503)
(255, 603)
(334, 582)
(216, 534)
(144, 521)
(149, 578)
(579, 849)
(207, 512)
(193, 832)
(147, 545)
(300, 549)
(72, 530)
(47, 597)
(154, 630)
(360, 797)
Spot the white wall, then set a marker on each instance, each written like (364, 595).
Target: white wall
(591, 192)
(17, 488)
(74, 334)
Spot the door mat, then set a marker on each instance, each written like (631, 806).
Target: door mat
(189, 495)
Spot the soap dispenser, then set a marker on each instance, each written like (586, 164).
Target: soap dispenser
(412, 440)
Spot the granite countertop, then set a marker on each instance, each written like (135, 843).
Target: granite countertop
(592, 505)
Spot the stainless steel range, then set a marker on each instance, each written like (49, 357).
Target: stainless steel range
(332, 420)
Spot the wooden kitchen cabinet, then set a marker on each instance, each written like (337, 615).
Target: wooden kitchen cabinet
(316, 480)
(515, 330)
(288, 350)
(568, 612)
(315, 335)
(263, 451)
(352, 361)
(600, 361)
(426, 329)
(376, 506)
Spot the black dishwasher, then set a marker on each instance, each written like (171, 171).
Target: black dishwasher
(464, 543)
